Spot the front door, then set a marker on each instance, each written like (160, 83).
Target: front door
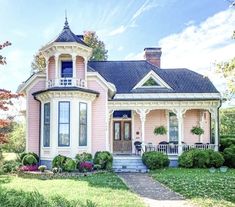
(122, 137)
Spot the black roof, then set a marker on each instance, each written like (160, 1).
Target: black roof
(126, 74)
(68, 36)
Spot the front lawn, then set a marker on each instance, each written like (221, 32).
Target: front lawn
(104, 189)
(204, 188)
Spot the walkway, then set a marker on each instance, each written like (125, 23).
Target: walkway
(152, 192)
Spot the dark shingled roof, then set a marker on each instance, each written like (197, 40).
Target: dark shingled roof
(68, 36)
(126, 74)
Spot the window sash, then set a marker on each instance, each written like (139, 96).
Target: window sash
(46, 125)
(82, 124)
(66, 69)
(64, 124)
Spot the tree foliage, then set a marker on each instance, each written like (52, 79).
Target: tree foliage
(2, 58)
(38, 64)
(16, 138)
(227, 69)
(5, 101)
(99, 52)
(227, 118)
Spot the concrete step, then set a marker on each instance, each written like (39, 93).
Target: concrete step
(134, 170)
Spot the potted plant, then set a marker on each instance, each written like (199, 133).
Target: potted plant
(197, 130)
(161, 130)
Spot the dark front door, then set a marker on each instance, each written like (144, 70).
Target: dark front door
(122, 137)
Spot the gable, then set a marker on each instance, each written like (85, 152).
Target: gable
(151, 80)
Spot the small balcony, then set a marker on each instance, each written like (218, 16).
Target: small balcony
(66, 82)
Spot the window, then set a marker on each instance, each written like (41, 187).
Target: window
(117, 130)
(64, 124)
(151, 82)
(66, 69)
(82, 124)
(46, 125)
(173, 127)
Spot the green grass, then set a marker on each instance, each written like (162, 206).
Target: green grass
(104, 189)
(204, 188)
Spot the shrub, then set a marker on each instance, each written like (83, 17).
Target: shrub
(29, 159)
(59, 161)
(104, 159)
(229, 156)
(197, 158)
(83, 157)
(29, 168)
(10, 166)
(42, 168)
(197, 130)
(22, 155)
(226, 142)
(155, 160)
(216, 159)
(97, 167)
(55, 170)
(86, 166)
(69, 165)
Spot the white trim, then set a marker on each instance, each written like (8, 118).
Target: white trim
(173, 96)
(157, 78)
(36, 76)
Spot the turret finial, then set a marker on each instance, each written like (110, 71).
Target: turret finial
(66, 24)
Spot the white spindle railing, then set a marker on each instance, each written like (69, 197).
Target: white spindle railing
(172, 149)
(66, 82)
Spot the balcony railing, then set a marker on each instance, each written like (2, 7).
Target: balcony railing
(172, 149)
(66, 82)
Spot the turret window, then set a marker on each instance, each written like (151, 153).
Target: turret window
(66, 69)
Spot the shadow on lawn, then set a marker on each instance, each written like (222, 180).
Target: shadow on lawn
(100, 180)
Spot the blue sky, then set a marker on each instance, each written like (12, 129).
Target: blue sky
(192, 34)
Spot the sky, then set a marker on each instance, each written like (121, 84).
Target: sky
(192, 34)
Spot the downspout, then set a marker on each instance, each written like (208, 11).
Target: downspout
(39, 150)
(218, 121)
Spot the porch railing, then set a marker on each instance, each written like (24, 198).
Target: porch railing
(173, 149)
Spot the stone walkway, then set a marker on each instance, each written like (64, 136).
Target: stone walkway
(152, 192)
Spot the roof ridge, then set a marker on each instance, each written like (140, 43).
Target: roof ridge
(117, 61)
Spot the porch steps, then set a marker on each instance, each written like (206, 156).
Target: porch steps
(128, 164)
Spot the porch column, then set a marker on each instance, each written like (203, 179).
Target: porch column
(47, 71)
(56, 69)
(107, 141)
(142, 113)
(74, 65)
(180, 113)
(215, 117)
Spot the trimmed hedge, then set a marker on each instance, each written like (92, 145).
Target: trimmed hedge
(69, 165)
(22, 155)
(155, 160)
(64, 163)
(104, 159)
(197, 158)
(229, 156)
(226, 142)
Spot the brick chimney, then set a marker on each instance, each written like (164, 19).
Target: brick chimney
(153, 55)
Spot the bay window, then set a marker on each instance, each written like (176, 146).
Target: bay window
(82, 124)
(46, 125)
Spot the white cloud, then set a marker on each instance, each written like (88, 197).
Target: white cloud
(146, 6)
(120, 48)
(200, 47)
(118, 30)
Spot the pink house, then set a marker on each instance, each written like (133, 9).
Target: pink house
(77, 105)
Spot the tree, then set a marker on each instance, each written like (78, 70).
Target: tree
(2, 58)
(99, 52)
(227, 118)
(227, 69)
(38, 64)
(16, 138)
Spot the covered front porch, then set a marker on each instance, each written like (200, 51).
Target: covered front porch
(131, 122)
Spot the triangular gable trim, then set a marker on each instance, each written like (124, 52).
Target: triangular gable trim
(161, 83)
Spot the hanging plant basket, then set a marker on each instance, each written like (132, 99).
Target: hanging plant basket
(161, 130)
(197, 130)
